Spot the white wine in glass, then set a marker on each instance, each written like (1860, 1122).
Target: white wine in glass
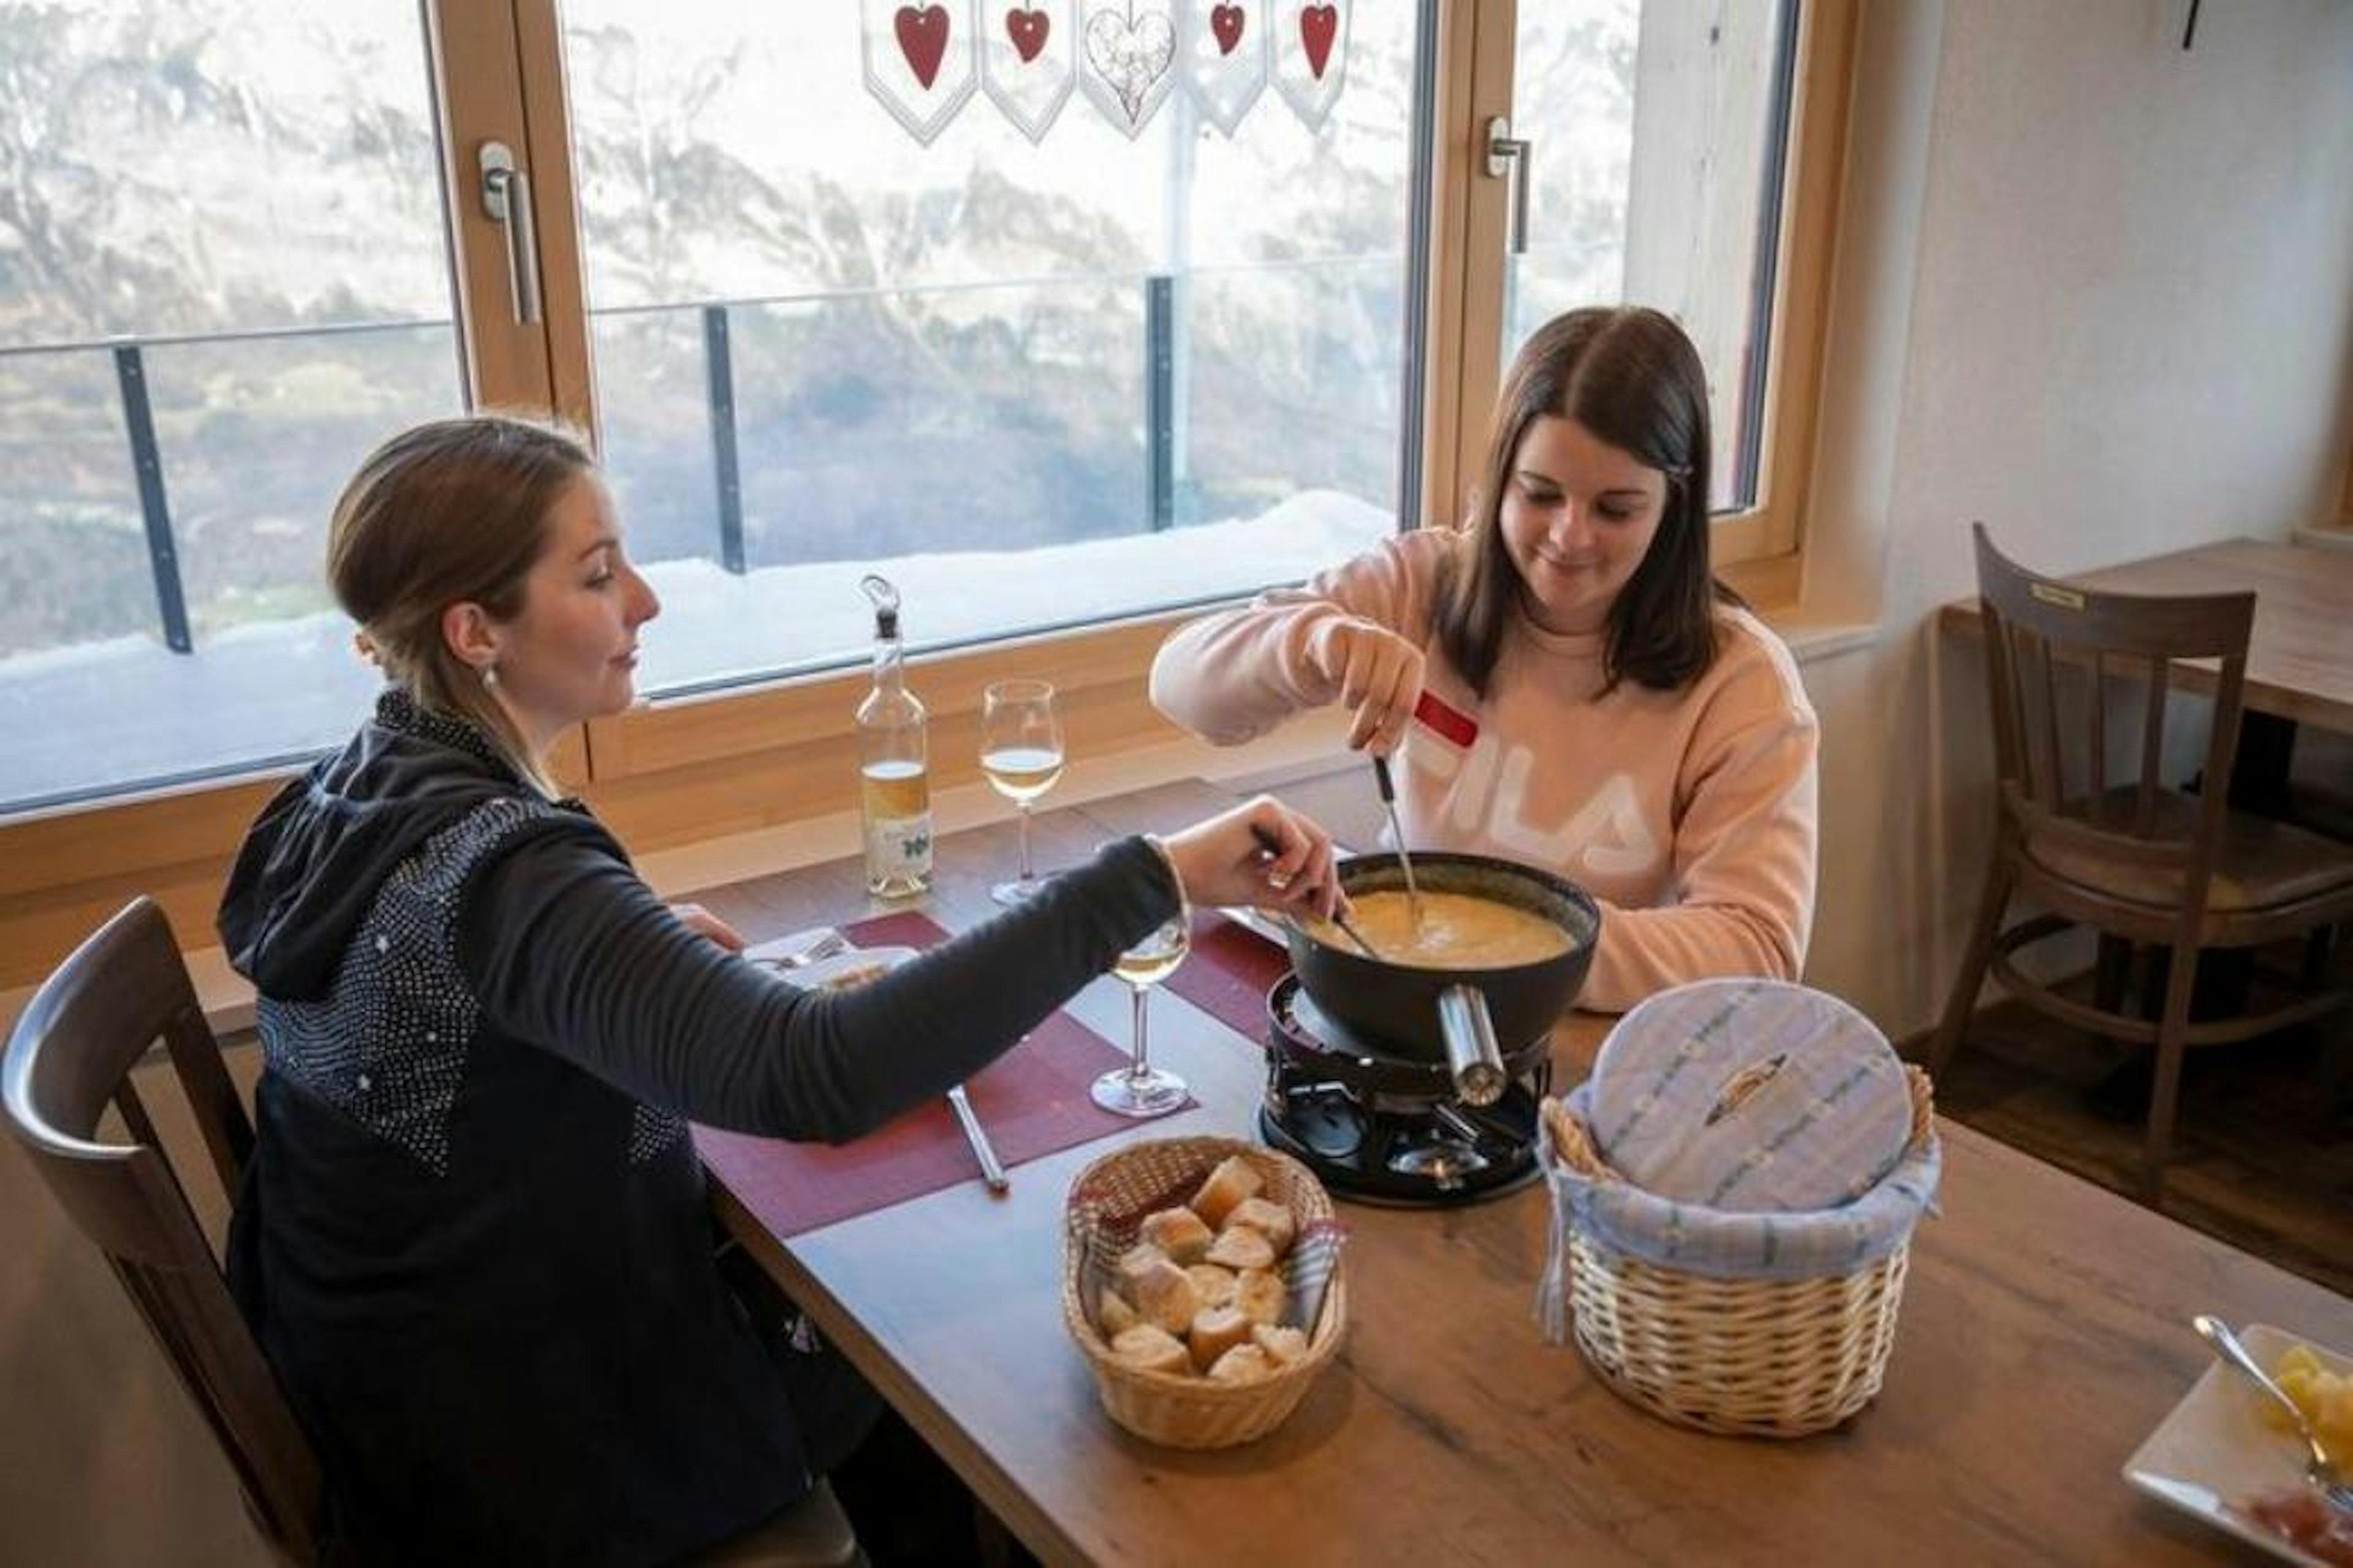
(1022, 772)
(1021, 756)
(1139, 1088)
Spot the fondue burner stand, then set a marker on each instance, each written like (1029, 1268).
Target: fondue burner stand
(1389, 1130)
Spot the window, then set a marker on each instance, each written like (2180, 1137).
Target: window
(1654, 173)
(1045, 386)
(221, 280)
(1036, 384)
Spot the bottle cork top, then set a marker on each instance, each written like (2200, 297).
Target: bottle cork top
(885, 599)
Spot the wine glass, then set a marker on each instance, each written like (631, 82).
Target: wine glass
(1140, 1089)
(1021, 753)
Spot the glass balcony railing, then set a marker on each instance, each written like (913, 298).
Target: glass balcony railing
(165, 499)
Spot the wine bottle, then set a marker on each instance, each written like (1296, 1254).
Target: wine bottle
(895, 783)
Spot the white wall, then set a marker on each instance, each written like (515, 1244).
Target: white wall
(2096, 291)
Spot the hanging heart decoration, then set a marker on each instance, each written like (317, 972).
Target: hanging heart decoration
(1131, 52)
(923, 40)
(1225, 22)
(1318, 24)
(1027, 30)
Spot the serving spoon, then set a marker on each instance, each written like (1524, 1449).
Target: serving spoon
(2319, 1469)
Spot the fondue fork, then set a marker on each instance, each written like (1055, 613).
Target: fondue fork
(1396, 832)
(1271, 847)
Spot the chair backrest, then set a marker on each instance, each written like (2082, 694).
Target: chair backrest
(2052, 752)
(70, 1055)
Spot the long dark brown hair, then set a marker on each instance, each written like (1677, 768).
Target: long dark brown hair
(445, 513)
(1630, 376)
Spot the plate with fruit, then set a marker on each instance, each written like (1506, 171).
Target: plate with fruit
(2228, 1456)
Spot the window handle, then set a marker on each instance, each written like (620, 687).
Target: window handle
(506, 200)
(1507, 159)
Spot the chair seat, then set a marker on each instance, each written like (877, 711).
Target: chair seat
(2263, 864)
(812, 1533)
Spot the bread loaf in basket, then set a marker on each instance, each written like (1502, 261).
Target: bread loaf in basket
(1102, 1220)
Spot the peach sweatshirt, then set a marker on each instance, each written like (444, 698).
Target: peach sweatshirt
(1689, 814)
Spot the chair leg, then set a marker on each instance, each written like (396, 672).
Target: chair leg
(2317, 944)
(1991, 902)
(2173, 1028)
(2113, 974)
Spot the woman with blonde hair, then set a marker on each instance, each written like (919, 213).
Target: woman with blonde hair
(1564, 681)
(475, 1242)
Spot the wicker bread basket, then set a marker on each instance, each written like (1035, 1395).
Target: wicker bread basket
(1099, 1223)
(1768, 1358)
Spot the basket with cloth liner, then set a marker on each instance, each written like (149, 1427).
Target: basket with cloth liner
(1734, 1194)
(1101, 1219)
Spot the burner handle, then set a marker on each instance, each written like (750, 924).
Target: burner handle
(1471, 1051)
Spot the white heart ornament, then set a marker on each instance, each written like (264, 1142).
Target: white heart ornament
(1128, 55)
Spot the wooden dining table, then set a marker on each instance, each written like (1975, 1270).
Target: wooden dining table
(2300, 653)
(2044, 1332)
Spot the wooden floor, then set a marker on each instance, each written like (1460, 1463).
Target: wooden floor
(2263, 1153)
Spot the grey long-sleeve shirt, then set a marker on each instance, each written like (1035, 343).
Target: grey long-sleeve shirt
(568, 950)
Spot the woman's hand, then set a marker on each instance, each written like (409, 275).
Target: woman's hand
(1380, 677)
(1260, 853)
(703, 923)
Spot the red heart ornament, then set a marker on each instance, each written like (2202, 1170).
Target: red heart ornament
(1027, 30)
(922, 38)
(1318, 24)
(1226, 21)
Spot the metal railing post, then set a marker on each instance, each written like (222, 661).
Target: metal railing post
(1160, 399)
(722, 367)
(154, 507)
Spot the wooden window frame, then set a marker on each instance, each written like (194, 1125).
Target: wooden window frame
(699, 767)
(2345, 502)
(1759, 550)
(64, 870)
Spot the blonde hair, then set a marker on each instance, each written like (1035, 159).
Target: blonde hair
(451, 512)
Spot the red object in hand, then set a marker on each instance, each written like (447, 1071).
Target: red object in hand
(922, 38)
(1318, 25)
(1225, 22)
(1027, 30)
(1451, 722)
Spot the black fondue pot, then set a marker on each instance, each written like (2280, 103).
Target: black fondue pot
(1452, 1015)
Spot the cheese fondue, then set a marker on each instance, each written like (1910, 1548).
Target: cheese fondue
(1456, 931)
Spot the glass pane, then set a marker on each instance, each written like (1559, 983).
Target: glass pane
(231, 273)
(1653, 175)
(938, 359)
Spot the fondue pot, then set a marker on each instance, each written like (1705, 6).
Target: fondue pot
(1452, 1015)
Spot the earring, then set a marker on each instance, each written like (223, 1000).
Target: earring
(490, 677)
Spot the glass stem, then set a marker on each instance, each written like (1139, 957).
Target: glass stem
(1024, 807)
(1141, 1067)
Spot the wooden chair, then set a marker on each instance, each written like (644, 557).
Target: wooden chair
(72, 1052)
(69, 1055)
(2136, 862)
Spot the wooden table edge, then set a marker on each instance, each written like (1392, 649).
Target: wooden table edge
(978, 1468)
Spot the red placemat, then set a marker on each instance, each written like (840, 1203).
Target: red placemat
(1032, 1100)
(1229, 972)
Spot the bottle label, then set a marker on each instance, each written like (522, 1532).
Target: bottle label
(899, 847)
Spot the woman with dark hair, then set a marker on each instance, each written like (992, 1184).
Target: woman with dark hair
(475, 1243)
(1566, 684)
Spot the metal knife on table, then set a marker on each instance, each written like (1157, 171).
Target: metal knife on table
(992, 1170)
